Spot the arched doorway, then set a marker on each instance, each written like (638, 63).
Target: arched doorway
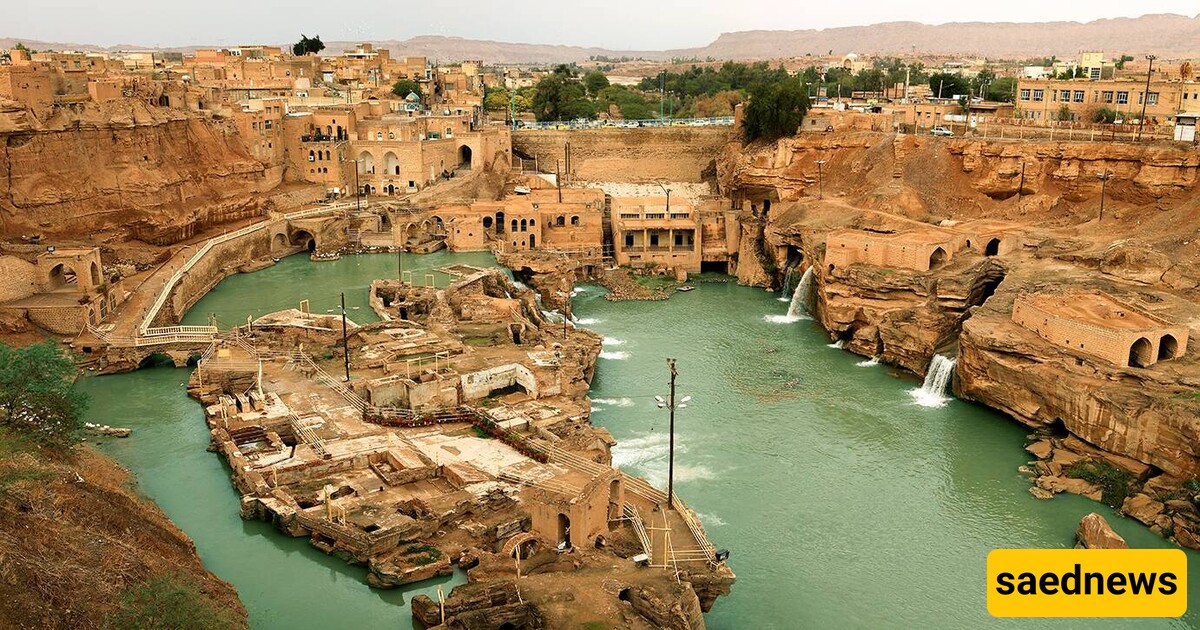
(279, 242)
(164, 101)
(614, 501)
(499, 222)
(1168, 347)
(304, 239)
(564, 531)
(1141, 353)
(937, 258)
(464, 157)
(60, 276)
(391, 163)
(532, 242)
(992, 248)
(94, 272)
(366, 163)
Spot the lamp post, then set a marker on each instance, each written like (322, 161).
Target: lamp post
(1103, 177)
(820, 179)
(1145, 96)
(671, 405)
(668, 191)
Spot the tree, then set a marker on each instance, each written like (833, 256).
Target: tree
(946, 85)
(36, 396)
(404, 87)
(307, 45)
(1002, 89)
(1104, 115)
(1064, 113)
(561, 96)
(496, 99)
(775, 110)
(595, 81)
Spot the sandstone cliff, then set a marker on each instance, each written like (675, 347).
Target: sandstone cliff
(92, 167)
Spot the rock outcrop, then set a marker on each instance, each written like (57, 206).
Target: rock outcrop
(1095, 533)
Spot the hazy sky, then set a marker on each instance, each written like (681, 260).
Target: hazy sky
(614, 24)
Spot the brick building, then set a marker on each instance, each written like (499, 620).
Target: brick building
(1101, 326)
(919, 250)
(647, 231)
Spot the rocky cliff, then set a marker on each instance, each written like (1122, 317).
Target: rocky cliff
(92, 167)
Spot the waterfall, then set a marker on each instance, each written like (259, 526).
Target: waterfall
(789, 280)
(800, 297)
(933, 392)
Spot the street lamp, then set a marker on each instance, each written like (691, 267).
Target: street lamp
(671, 404)
(1103, 177)
(1145, 96)
(820, 179)
(668, 191)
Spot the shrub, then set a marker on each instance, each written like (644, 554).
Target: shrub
(1116, 484)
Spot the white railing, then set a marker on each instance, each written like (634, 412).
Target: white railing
(165, 293)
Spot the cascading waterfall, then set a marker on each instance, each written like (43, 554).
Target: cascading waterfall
(789, 283)
(800, 296)
(932, 392)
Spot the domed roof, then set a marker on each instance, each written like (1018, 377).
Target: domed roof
(412, 98)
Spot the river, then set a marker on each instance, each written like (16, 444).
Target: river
(843, 503)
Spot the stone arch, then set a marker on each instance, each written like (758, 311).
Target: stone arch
(366, 163)
(410, 233)
(937, 257)
(524, 225)
(60, 276)
(279, 242)
(464, 156)
(304, 239)
(564, 530)
(438, 223)
(1141, 353)
(614, 500)
(487, 223)
(522, 545)
(389, 189)
(515, 225)
(992, 248)
(1168, 347)
(391, 163)
(94, 273)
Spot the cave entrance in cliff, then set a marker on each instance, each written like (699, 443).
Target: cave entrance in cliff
(992, 248)
(1141, 353)
(464, 157)
(305, 239)
(714, 266)
(1168, 347)
(937, 258)
(564, 531)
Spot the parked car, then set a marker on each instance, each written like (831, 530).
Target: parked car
(941, 131)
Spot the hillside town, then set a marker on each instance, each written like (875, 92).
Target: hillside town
(1018, 239)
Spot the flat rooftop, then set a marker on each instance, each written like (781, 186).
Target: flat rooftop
(1096, 309)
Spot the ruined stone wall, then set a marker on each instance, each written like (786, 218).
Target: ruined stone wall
(850, 248)
(677, 154)
(18, 278)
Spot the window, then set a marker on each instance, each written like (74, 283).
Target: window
(1064, 95)
(1152, 98)
(1106, 96)
(679, 239)
(625, 215)
(1039, 95)
(268, 125)
(391, 135)
(574, 220)
(1024, 95)
(629, 239)
(1122, 98)
(379, 135)
(1078, 97)
(654, 239)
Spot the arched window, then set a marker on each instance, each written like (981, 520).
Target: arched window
(531, 223)
(561, 220)
(379, 135)
(524, 226)
(311, 156)
(514, 225)
(574, 220)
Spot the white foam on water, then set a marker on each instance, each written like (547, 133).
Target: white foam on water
(932, 393)
(710, 520)
(868, 362)
(837, 344)
(614, 356)
(588, 321)
(615, 402)
(784, 319)
(612, 341)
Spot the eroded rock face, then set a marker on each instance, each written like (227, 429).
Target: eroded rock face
(124, 164)
(1095, 533)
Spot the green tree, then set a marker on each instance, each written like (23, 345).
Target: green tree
(561, 96)
(1002, 89)
(1104, 115)
(404, 87)
(775, 110)
(308, 45)
(595, 81)
(36, 396)
(946, 85)
(496, 99)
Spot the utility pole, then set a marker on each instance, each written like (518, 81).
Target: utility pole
(558, 179)
(662, 93)
(671, 457)
(1145, 97)
(345, 343)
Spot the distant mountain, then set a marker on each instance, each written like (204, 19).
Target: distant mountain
(1167, 35)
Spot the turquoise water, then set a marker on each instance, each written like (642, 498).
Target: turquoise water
(844, 504)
